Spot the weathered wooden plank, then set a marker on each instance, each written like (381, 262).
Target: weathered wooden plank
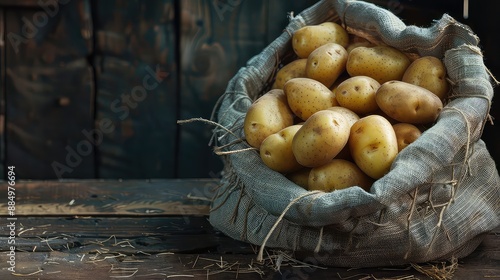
(109, 264)
(25, 3)
(50, 87)
(217, 38)
(136, 74)
(112, 197)
(151, 235)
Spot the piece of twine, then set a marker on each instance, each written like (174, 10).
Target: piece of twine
(261, 250)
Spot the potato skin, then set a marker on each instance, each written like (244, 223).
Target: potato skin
(382, 63)
(276, 150)
(358, 94)
(294, 69)
(350, 116)
(307, 96)
(310, 37)
(320, 138)
(336, 175)
(428, 72)
(373, 145)
(408, 103)
(326, 63)
(406, 133)
(269, 114)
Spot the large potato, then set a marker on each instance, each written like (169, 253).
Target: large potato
(373, 145)
(356, 41)
(428, 72)
(320, 138)
(358, 94)
(310, 37)
(382, 63)
(267, 115)
(351, 118)
(326, 63)
(294, 69)
(307, 96)
(406, 133)
(408, 103)
(348, 114)
(276, 150)
(336, 175)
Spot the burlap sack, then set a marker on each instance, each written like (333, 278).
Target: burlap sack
(437, 202)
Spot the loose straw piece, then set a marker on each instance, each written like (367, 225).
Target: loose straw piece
(261, 250)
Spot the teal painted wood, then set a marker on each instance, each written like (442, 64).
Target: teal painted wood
(137, 88)
(48, 91)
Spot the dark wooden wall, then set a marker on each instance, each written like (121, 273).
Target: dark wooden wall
(93, 89)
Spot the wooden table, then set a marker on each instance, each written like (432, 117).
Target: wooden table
(157, 229)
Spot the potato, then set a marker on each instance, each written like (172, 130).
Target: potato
(408, 103)
(382, 63)
(320, 138)
(307, 96)
(294, 69)
(356, 41)
(373, 145)
(406, 133)
(358, 94)
(310, 37)
(269, 114)
(428, 72)
(326, 63)
(300, 177)
(336, 175)
(276, 150)
(350, 116)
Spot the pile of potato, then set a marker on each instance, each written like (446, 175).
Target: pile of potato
(339, 113)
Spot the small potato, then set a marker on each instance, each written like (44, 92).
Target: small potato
(358, 94)
(408, 103)
(310, 37)
(430, 73)
(307, 96)
(373, 145)
(336, 175)
(276, 150)
(294, 69)
(326, 63)
(300, 177)
(382, 63)
(267, 115)
(320, 138)
(406, 133)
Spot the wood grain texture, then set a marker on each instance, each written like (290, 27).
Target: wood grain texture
(137, 88)
(50, 88)
(112, 197)
(217, 39)
(56, 243)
